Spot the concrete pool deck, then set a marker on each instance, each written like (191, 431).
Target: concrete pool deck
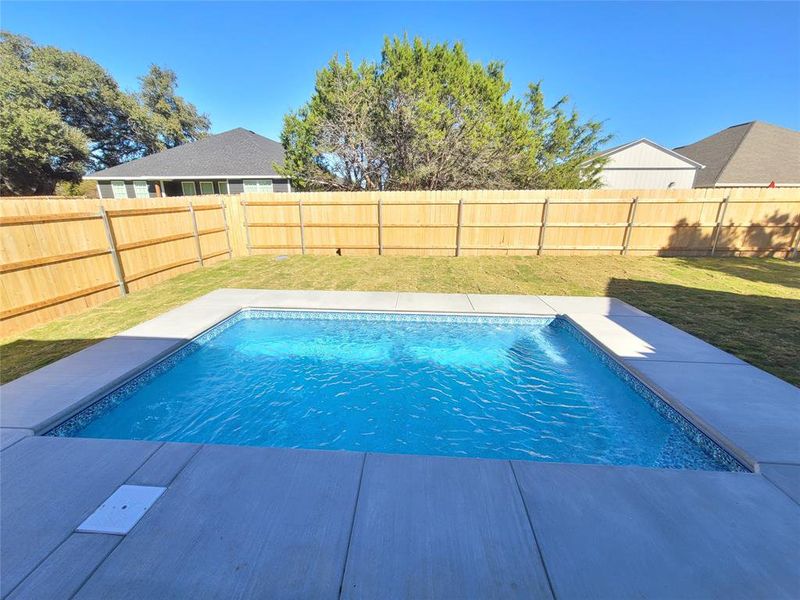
(261, 522)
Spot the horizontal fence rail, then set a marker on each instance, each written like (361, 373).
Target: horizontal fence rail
(694, 224)
(83, 258)
(61, 255)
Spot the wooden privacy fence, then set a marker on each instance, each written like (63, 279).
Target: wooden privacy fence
(60, 255)
(647, 222)
(58, 263)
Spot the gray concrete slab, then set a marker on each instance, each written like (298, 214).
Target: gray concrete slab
(63, 572)
(9, 437)
(50, 485)
(591, 305)
(184, 322)
(421, 302)
(756, 412)
(611, 532)
(649, 338)
(437, 527)
(240, 522)
(321, 300)
(786, 477)
(164, 465)
(41, 399)
(505, 304)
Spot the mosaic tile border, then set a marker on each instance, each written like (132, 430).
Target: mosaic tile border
(661, 406)
(77, 422)
(381, 316)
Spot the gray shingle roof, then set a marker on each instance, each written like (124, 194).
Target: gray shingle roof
(754, 153)
(238, 152)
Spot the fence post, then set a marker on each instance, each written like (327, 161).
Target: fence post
(380, 227)
(723, 206)
(302, 227)
(112, 246)
(458, 227)
(629, 228)
(793, 253)
(227, 233)
(246, 228)
(196, 234)
(543, 226)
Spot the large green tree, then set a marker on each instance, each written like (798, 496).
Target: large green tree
(62, 114)
(427, 117)
(164, 119)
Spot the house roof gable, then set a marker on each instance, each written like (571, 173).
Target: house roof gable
(616, 149)
(235, 153)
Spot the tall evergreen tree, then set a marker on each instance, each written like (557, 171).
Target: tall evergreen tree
(427, 117)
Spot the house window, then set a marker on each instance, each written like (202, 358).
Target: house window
(255, 186)
(188, 188)
(223, 187)
(118, 189)
(206, 187)
(140, 189)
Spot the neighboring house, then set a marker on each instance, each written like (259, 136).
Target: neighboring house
(750, 154)
(645, 164)
(232, 162)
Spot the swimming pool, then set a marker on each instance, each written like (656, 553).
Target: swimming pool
(525, 388)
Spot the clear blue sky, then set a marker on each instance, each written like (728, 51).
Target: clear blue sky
(672, 72)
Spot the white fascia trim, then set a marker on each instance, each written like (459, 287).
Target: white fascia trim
(650, 143)
(184, 177)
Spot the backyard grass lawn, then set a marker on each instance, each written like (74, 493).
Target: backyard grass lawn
(750, 307)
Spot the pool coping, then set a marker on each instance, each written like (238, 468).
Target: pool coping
(635, 340)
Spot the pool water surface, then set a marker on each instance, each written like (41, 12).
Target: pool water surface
(491, 387)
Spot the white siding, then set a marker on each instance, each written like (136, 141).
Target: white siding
(647, 178)
(643, 165)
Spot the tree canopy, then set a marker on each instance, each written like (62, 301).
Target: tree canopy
(61, 114)
(427, 117)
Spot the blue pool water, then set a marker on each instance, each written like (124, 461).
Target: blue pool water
(493, 387)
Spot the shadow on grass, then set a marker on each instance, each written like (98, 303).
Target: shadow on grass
(22, 356)
(775, 239)
(762, 330)
(778, 271)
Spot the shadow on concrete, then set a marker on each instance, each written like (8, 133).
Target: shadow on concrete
(762, 330)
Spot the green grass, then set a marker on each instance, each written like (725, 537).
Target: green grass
(750, 307)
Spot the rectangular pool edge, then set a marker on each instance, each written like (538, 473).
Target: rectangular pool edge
(701, 433)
